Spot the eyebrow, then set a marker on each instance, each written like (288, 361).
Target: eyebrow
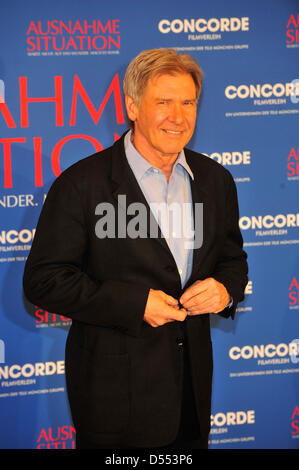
(170, 99)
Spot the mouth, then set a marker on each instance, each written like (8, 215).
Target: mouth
(168, 131)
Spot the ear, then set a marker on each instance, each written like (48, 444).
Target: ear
(131, 107)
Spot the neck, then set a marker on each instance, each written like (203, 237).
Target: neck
(164, 162)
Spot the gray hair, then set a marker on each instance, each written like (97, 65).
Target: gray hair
(154, 62)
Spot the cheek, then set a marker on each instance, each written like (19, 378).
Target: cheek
(192, 122)
(158, 118)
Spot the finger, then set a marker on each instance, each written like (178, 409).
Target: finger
(210, 306)
(198, 300)
(195, 289)
(171, 301)
(168, 298)
(188, 294)
(177, 314)
(202, 309)
(212, 302)
(169, 315)
(199, 312)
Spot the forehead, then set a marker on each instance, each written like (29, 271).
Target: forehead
(171, 83)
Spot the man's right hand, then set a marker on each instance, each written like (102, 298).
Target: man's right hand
(162, 308)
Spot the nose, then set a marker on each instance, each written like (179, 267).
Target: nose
(176, 114)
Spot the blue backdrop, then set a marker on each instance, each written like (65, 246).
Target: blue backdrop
(61, 69)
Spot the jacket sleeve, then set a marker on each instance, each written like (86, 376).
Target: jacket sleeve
(231, 268)
(54, 277)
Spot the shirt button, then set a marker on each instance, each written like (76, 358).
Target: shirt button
(155, 170)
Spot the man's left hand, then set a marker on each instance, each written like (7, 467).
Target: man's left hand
(207, 296)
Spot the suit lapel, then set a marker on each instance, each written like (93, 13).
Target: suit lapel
(199, 195)
(127, 191)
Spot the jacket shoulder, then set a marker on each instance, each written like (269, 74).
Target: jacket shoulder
(203, 164)
(90, 166)
(92, 169)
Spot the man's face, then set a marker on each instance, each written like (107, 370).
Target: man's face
(165, 119)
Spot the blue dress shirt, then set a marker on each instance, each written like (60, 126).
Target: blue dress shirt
(171, 204)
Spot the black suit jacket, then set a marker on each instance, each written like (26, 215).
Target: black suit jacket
(123, 376)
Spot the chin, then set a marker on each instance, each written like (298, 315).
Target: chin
(170, 151)
(173, 149)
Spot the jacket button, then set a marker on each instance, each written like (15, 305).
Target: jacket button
(180, 341)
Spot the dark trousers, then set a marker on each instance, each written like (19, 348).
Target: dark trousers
(189, 435)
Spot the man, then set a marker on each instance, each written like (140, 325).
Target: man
(139, 354)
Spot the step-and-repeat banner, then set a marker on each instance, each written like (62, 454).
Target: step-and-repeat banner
(61, 69)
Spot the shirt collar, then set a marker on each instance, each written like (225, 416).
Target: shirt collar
(181, 160)
(140, 165)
